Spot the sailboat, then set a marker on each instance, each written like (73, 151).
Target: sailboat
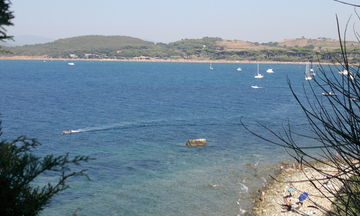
(308, 74)
(258, 74)
(312, 71)
(211, 67)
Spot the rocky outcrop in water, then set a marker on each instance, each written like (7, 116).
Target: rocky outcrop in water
(196, 142)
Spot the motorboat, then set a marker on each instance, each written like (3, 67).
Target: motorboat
(70, 131)
(328, 94)
(344, 72)
(255, 86)
(270, 70)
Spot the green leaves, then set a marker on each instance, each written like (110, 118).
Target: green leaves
(20, 169)
(5, 19)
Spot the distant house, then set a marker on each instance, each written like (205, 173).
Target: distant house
(73, 55)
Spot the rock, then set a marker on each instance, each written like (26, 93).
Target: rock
(196, 142)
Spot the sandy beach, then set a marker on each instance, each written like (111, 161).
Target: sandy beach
(282, 195)
(44, 58)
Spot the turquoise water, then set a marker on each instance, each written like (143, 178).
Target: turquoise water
(135, 118)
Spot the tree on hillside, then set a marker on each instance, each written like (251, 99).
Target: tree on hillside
(332, 107)
(21, 171)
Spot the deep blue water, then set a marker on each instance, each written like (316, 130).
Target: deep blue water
(135, 118)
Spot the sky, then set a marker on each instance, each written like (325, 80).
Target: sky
(172, 20)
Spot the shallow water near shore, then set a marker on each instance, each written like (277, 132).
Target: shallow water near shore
(135, 117)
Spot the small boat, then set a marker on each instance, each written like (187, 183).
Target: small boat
(311, 70)
(344, 72)
(258, 74)
(308, 74)
(328, 94)
(239, 69)
(270, 70)
(66, 132)
(71, 63)
(70, 131)
(211, 67)
(255, 86)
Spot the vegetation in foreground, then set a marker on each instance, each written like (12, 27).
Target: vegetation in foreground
(22, 172)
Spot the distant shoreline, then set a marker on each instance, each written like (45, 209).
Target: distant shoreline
(41, 58)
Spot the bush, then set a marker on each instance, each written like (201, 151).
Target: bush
(20, 169)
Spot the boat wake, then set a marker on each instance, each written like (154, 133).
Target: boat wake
(235, 121)
(145, 124)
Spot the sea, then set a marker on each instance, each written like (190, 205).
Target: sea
(134, 118)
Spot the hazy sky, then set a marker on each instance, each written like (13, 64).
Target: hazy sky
(171, 20)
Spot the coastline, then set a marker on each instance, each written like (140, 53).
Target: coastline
(271, 199)
(43, 58)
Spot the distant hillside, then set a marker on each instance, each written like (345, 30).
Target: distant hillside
(317, 44)
(207, 48)
(81, 45)
(314, 44)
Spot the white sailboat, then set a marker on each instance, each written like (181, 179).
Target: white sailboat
(308, 75)
(312, 71)
(211, 67)
(258, 74)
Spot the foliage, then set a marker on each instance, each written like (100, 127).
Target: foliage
(5, 18)
(20, 171)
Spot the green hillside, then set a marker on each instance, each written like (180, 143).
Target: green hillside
(207, 48)
(92, 44)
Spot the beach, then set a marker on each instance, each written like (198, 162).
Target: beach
(281, 195)
(44, 58)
